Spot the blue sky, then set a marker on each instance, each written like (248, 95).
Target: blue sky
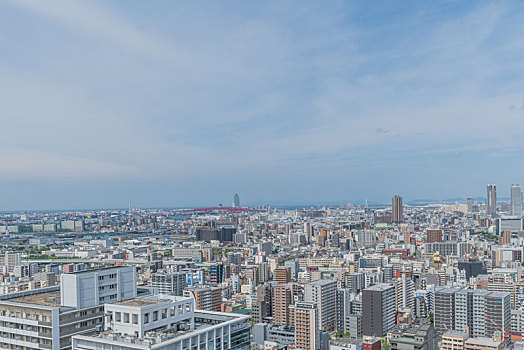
(177, 103)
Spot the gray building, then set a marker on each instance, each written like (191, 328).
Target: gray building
(445, 310)
(378, 301)
(515, 208)
(491, 200)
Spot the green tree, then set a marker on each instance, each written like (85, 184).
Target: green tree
(347, 334)
(385, 344)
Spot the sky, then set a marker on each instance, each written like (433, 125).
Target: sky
(185, 103)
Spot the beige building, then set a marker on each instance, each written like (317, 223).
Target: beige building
(454, 340)
(307, 330)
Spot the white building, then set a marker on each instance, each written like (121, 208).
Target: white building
(323, 293)
(167, 323)
(93, 287)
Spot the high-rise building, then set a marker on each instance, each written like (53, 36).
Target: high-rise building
(516, 200)
(470, 202)
(280, 300)
(379, 303)
(307, 330)
(236, 201)
(445, 309)
(491, 202)
(396, 209)
(404, 292)
(323, 293)
(342, 308)
(308, 230)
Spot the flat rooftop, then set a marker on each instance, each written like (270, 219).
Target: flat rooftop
(45, 299)
(138, 302)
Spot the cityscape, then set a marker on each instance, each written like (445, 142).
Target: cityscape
(396, 276)
(261, 175)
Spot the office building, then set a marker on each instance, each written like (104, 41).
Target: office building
(379, 303)
(95, 287)
(397, 215)
(47, 318)
(491, 202)
(222, 234)
(169, 283)
(163, 324)
(446, 248)
(323, 293)
(307, 330)
(236, 201)
(516, 200)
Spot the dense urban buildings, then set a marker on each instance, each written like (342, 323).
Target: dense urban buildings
(343, 277)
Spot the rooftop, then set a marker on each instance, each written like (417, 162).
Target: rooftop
(51, 299)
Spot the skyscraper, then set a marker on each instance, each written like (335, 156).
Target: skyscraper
(323, 293)
(236, 201)
(491, 200)
(379, 303)
(470, 202)
(516, 200)
(307, 333)
(396, 209)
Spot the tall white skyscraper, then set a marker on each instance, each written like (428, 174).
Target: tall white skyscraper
(491, 200)
(516, 200)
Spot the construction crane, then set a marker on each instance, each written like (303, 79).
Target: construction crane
(447, 329)
(505, 334)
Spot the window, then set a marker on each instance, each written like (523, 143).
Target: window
(118, 317)
(164, 313)
(146, 318)
(155, 316)
(126, 318)
(135, 319)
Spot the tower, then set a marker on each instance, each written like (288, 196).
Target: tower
(397, 215)
(491, 200)
(236, 201)
(516, 200)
